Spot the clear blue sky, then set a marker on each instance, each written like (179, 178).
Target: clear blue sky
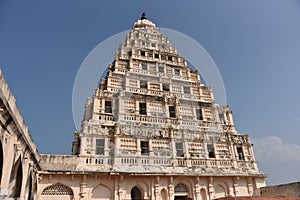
(255, 44)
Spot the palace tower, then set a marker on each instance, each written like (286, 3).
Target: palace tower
(152, 130)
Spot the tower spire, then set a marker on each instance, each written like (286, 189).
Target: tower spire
(144, 16)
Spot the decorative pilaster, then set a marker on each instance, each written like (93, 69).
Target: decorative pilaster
(83, 184)
(249, 186)
(120, 187)
(211, 188)
(156, 188)
(197, 189)
(171, 189)
(235, 185)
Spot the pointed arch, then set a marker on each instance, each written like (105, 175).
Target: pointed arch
(1, 161)
(188, 184)
(180, 187)
(136, 193)
(181, 191)
(221, 188)
(164, 194)
(101, 192)
(15, 181)
(142, 186)
(57, 191)
(203, 194)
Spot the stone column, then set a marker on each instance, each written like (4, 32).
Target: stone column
(8, 149)
(25, 168)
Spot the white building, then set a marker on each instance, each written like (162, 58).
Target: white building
(152, 130)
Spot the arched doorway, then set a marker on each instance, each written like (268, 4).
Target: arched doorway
(1, 161)
(136, 194)
(15, 181)
(101, 192)
(57, 191)
(181, 192)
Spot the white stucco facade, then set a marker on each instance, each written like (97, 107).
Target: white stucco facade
(152, 130)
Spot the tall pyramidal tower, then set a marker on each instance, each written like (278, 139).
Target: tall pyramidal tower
(152, 130)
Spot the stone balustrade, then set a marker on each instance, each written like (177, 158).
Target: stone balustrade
(151, 73)
(106, 117)
(161, 93)
(202, 125)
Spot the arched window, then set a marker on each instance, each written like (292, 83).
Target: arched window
(181, 192)
(136, 194)
(57, 191)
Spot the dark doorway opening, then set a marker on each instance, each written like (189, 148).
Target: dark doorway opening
(181, 198)
(136, 194)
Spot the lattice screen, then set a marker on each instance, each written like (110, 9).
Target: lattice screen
(57, 191)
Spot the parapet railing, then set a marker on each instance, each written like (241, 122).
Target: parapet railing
(145, 161)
